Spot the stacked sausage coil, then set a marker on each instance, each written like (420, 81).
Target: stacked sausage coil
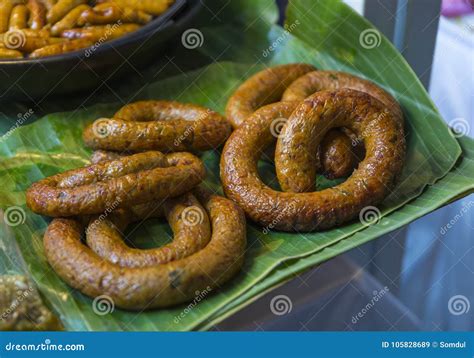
(119, 188)
(326, 117)
(145, 165)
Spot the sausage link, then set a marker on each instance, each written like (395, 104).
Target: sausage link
(369, 184)
(150, 287)
(70, 20)
(129, 180)
(6, 8)
(21, 42)
(61, 8)
(167, 126)
(96, 33)
(109, 12)
(37, 18)
(263, 88)
(19, 17)
(339, 154)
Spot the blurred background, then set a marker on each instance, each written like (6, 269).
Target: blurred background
(419, 277)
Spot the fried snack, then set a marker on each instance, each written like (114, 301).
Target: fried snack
(19, 17)
(69, 21)
(155, 286)
(159, 125)
(109, 12)
(44, 33)
(96, 33)
(187, 218)
(6, 8)
(22, 307)
(381, 132)
(263, 88)
(31, 44)
(61, 8)
(60, 48)
(339, 154)
(6, 53)
(119, 183)
(154, 7)
(37, 18)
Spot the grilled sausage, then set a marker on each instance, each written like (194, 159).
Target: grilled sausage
(109, 12)
(37, 18)
(381, 132)
(187, 218)
(159, 125)
(119, 183)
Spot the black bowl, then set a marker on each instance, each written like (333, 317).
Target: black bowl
(88, 68)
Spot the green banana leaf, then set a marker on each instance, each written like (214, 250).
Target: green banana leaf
(240, 38)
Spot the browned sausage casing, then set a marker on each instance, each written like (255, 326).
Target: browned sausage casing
(167, 126)
(380, 131)
(129, 180)
(187, 218)
(37, 14)
(152, 286)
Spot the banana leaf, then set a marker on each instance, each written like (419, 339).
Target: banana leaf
(240, 38)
